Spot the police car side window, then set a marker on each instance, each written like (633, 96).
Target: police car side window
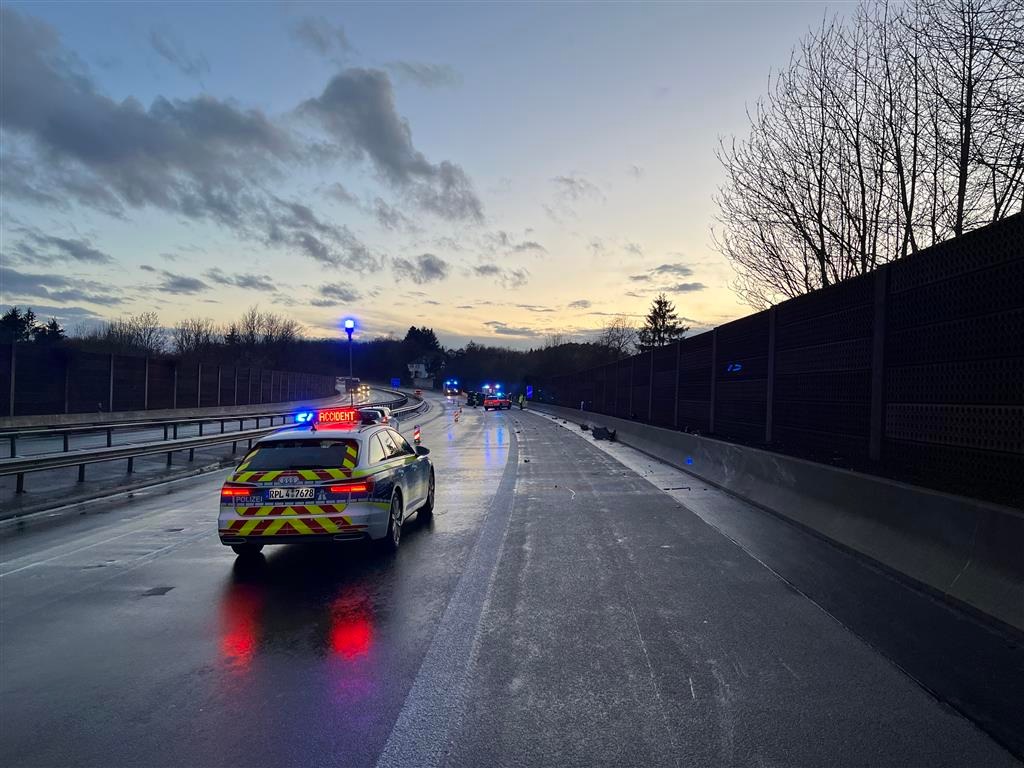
(404, 449)
(390, 449)
(377, 451)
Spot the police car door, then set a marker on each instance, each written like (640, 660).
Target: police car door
(415, 479)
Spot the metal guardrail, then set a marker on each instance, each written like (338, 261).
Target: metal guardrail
(170, 428)
(170, 425)
(19, 467)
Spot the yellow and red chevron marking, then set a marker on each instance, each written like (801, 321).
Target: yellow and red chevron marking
(307, 509)
(305, 474)
(283, 526)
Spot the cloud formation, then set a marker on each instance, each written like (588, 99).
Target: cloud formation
(424, 74)
(357, 109)
(173, 50)
(501, 240)
(335, 294)
(249, 281)
(202, 158)
(389, 217)
(321, 37)
(171, 282)
(502, 329)
(507, 278)
(576, 188)
(685, 288)
(580, 304)
(56, 288)
(665, 270)
(40, 248)
(425, 268)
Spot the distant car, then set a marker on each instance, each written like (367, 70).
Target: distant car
(497, 400)
(332, 478)
(381, 414)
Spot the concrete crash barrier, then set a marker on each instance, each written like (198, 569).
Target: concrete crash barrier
(969, 550)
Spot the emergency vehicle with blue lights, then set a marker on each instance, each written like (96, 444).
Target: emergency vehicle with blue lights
(335, 476)
(495, 397)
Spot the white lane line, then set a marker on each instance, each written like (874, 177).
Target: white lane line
(693, 693)
(70, 552)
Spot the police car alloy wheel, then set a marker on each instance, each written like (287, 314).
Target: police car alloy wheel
(393, 537)
(427, 510)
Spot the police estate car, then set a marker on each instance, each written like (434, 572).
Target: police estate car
(332, 477)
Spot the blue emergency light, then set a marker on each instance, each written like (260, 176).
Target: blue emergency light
(305, 417)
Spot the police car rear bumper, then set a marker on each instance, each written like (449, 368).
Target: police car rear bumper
(228, 540)
(344, 523)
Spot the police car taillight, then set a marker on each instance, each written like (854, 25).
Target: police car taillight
(360, 487)
(230, 491)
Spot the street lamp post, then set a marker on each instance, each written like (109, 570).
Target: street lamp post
(350, 326)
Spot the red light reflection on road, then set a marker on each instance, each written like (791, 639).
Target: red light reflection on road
(240, 611)
(351, 633)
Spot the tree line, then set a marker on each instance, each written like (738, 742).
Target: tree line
(260, 339)
(886, 132)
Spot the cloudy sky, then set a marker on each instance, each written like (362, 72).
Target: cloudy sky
(498, 172)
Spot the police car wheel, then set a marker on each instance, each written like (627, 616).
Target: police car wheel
(427, 510)
(393, 537)
(249, 549)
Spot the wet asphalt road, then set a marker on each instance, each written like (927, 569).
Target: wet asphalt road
(559, 610)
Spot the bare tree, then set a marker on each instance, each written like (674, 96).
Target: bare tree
(141, 333)
(194, 335)
(619, 336)
(898, 127)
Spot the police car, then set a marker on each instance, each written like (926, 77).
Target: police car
(381, 414)
(331, 477)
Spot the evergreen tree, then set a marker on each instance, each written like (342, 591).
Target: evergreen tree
(17, 326)
(51, 333)
(661, 326)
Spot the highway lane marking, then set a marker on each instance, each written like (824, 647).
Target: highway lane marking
(436, 700)
(148, 525)
(117, 571)
(66, 554)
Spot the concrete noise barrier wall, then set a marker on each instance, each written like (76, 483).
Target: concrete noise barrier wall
(969, 550)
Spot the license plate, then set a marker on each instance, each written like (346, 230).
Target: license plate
(282, 494)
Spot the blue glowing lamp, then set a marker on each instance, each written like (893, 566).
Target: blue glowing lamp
(304, 417)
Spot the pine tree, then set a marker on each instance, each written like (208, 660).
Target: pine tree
(51, 333)
(661, 326)
(15, 326)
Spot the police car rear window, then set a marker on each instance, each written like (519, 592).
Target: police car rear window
(303, 454)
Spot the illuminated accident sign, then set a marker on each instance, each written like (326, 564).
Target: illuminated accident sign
(339, 417)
